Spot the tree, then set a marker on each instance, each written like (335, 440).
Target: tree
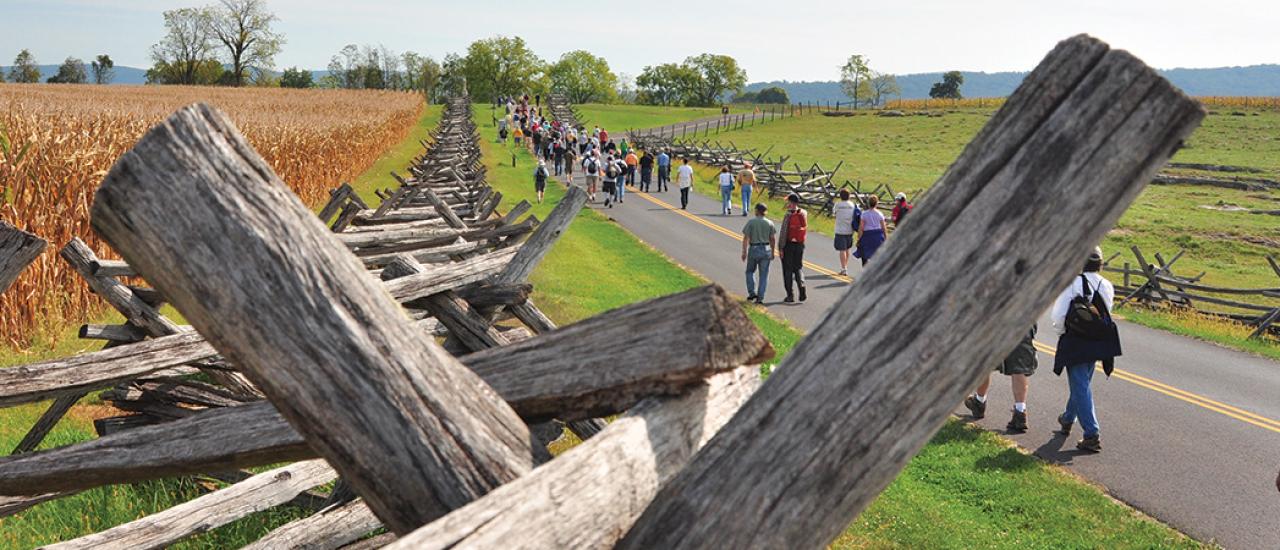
(344, 68)
(243, 27)
(294, 77)
(501, 66)
(583, 77)
(421, 74)
(72, 71)
(668, 84)
(882, 86)
(626, 88)
(773, 94)
(949, 88)
(853, 78)
(205, 73)
(103, 69)
(720, 75)
(453, 77)
(24, 69)
(185, 48)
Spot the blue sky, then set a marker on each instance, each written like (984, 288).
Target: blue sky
(788, 39)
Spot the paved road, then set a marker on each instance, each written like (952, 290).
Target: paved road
(1189, 429)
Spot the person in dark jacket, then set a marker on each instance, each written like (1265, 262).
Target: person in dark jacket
(1078, 353)
(795, 223)
(1018, 366)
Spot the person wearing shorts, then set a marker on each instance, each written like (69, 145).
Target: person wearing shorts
(1018, 366)
(591, 173)
(540, 175)
(846, 215)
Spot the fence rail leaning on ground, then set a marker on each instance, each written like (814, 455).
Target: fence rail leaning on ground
(830, 453)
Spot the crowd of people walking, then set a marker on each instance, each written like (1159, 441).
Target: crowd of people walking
(1080, 315)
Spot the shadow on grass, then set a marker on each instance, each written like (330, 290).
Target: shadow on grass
(1008, 460)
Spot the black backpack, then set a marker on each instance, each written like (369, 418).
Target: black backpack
(1087, 316)
(592, 167)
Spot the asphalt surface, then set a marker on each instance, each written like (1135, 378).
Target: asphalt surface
(1190, 430)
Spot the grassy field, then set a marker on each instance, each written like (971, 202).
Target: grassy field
(910, 153)
(966, 489)
(617, 118)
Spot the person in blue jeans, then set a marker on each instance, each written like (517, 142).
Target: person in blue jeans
(758, 240)
(726, 191)
(746, 182)
(1078, 353)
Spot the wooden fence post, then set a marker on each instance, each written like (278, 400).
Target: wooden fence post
(17, 249)
(1099, 123)
(412, 430)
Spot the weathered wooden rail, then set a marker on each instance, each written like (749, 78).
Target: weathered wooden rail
(1156, 284)
(434, 445)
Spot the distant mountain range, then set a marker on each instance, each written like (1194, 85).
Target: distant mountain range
(1254, 80)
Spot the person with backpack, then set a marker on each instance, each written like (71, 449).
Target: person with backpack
(726, 191)
(684, 180)
(746, 183)
(619, 179)
(610, 187)
(518, 135)
(591, 173)
(846, 214)
(870, 231)
(900, 209)
(540, 175)
(1086, 335)
(757, 251)
(795, 223)
(664, 170)
(1018, 366)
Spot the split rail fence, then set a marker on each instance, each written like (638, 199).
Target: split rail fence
(320, 344)
(1155, 283)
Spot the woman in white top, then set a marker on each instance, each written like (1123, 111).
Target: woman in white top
(726, 191)
(870, 230)
(1079, 353)
(684, 179)
(845, 213)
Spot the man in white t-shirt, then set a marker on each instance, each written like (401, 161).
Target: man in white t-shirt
(846, 214)
(684, 178)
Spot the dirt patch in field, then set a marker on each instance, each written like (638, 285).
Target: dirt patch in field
(1269, 242)
(1224, 207)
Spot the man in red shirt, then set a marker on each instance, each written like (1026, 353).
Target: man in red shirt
(794, 225)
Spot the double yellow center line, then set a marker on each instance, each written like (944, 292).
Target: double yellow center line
(1183, 395)
(1142, 381)
(714, 227)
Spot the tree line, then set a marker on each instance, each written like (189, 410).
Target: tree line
(26, 70)
(233, 43)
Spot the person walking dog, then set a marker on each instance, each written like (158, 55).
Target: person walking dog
(758, 238)
(794, 225)
(1018, 366)
(1087, 334)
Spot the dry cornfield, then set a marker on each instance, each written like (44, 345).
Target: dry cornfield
(57, 143)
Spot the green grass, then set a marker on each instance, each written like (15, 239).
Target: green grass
(617, 118)
(910, 153)
(396, 158)
(966, 489)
